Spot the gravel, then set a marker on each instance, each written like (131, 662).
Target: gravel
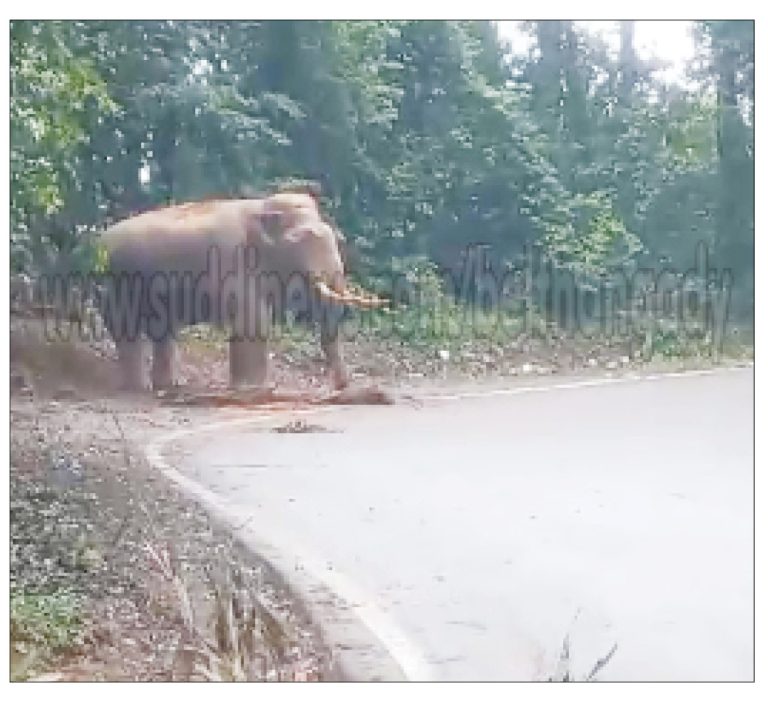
(86, 513)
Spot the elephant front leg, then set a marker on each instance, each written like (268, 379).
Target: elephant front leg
(130, 356)
(248, 345)
(337, 369)
(248, 362)
(164, 364)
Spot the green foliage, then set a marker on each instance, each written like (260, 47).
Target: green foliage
(427, 314)
(42, 625)
(52, 90)
(424, 136)
(52, 620)
(593, 241)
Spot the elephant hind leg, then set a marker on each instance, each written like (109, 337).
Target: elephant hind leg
(131, 357)
(248, 362)
(164, 363)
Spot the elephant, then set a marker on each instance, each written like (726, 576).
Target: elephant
(228, 262)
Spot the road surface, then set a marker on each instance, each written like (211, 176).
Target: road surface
(482, 530)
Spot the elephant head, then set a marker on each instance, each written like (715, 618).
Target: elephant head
(293, 237)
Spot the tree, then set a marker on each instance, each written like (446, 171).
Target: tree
(52, 92)
(731, 69)
(425, 136)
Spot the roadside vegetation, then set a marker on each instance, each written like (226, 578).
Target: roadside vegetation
(42, 625)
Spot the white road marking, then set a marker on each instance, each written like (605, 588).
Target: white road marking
(587, 383)
(407, 655)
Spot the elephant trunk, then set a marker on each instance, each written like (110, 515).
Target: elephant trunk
(346, 297)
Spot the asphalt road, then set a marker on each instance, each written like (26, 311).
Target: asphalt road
(485, 529)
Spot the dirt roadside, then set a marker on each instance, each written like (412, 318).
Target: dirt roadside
(155, 589)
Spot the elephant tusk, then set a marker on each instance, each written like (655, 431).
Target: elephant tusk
(348, 298)
(370, 302)
(327, 292)
(361, 302)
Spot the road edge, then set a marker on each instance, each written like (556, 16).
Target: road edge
(367, 645)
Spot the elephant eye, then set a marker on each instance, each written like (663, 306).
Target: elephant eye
(299, 234)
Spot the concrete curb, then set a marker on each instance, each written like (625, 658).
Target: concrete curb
(367, 645)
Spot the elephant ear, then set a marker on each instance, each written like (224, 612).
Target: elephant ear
(264, 227)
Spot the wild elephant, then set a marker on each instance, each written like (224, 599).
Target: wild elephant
(226, 262)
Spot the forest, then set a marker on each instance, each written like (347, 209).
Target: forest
(426, 137)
